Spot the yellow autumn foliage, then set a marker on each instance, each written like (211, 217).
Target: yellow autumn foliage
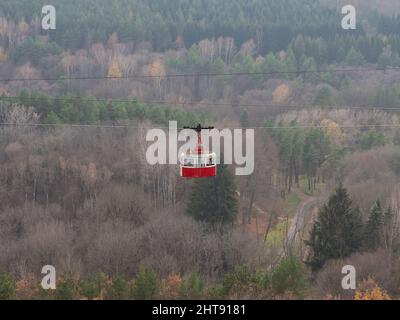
(259, 60)
(281, 93)
(156, 69)
(332, 129)
(330, 296)
(369, 290)
(114, 71)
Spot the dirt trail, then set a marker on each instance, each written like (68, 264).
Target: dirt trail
(298, 222)
(258, 226)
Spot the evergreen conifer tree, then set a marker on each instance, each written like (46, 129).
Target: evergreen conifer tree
(213, 200)
(373, 228)
(338, 232)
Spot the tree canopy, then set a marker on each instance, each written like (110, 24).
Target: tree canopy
(338, 232)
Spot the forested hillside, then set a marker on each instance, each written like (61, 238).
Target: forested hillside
(162, 23)
(77, 192)
(144, 43)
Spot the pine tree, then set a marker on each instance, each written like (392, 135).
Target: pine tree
(213, 200)
(66, 288)
(192, 287)
(309, 65)
(118, 290)
(323, 97)
(52, 118)
(146, 285)
(93, 286)
(355, 57)
(338, 232)
(373, 228)
(290, 63)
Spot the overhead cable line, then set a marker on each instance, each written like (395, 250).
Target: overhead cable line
(93, 125)
(192, 103)
(183, 75)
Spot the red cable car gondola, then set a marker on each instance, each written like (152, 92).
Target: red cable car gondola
(198, 163)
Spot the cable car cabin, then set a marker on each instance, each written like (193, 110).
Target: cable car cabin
(198, 163)
(202, 165)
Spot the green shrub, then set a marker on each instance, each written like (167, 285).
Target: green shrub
(146, 285)
(289, 277)
(118, 290)
(92, 287)
(216, 292)
(192, 287)
(66, 288)
(7, 286)
(242, 280)
(372, 139)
